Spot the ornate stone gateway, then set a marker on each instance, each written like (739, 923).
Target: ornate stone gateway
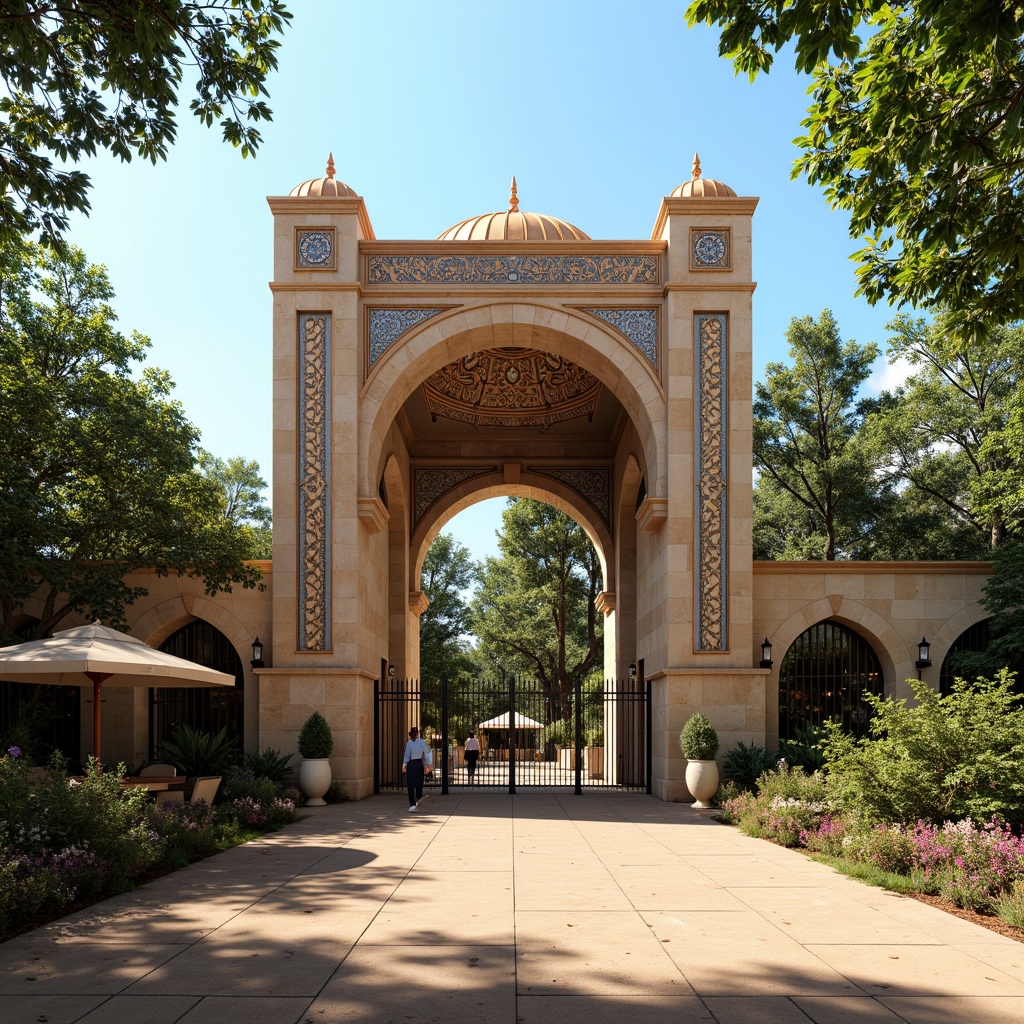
(512, 355)
(595, 738)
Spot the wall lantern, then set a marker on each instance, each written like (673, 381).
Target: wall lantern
(391, 671)
(257, 654)
(924, 651)
(766, 653)
(632, 670)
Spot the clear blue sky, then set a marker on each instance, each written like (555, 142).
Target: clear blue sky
(429, 109)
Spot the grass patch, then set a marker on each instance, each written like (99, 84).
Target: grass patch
(870, 874)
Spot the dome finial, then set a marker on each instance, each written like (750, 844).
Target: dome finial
(696, 166)
(513, 199)
(330, 165)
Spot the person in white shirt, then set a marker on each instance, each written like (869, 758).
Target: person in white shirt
(414, 764)
(472, 753)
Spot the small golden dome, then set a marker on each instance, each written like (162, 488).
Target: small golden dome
(327, 188)
(513, 225)
(698, 187)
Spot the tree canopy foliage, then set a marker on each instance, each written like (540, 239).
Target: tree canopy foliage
(448, 571)
(808, 442)
(107, 75)
(916, 129)
(98, 466)
(534, 610)
(948, 430)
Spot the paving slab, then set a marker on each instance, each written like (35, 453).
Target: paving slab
(539, 908)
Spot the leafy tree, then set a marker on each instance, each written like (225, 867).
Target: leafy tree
(242, 497)
(106, 75)
(809, 442)
(916, 128)
(98, 473)
(448, 571)
(534, 611)
(945, 430)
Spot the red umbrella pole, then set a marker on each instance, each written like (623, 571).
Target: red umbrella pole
(97, 686)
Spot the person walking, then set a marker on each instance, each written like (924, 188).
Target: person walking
(413, 766)
(472, 753)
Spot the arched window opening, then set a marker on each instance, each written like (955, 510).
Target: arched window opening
(824, 675)
(208, 708)
(973, 640)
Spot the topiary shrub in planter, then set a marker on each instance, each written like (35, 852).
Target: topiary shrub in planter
(699, 744)
(315, 746)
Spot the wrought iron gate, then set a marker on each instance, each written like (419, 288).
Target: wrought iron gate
(595, 737)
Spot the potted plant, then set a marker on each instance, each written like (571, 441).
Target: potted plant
(315, 746)
(699, 743)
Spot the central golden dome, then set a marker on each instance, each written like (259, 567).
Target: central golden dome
(513, 225)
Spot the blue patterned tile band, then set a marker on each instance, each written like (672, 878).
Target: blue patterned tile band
(514, 270)
(639, 325)
(386, 326)
(711, 250)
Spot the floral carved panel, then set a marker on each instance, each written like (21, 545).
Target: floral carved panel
(640, 326)
(711, 626)
(386, 326)
(593, 484)
(314, 481)
(432, 483)
(560, 269)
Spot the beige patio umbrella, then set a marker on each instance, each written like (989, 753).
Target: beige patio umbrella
(102, 655)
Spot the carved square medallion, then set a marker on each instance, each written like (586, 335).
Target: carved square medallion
(710, 249)
(314, 249)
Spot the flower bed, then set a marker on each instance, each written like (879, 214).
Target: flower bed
(62, 843)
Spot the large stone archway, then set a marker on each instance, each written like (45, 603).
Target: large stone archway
(611, 379)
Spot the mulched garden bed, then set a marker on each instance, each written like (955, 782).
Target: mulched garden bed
(989, 921)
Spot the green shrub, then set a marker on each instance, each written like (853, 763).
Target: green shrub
(807, 748)
(945, 759)
(241, 782)
(788, 805)
(336, 793)
(562, 732)
(698, 739)
(199, 753)
(745, 764)
(315, 739)
(268, 764)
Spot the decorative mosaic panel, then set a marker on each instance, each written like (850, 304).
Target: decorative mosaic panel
(711, 481)
(386, 326)
(428, 269)
(639, 325)
(511, 388)
(429, 484)
(314, 481)
(710, 249)
(592, 484)
(314, 249)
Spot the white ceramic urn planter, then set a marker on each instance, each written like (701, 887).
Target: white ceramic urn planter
(702, 781)
(315, 780)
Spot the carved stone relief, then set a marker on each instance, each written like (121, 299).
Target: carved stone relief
(314, 482)
(711, 481)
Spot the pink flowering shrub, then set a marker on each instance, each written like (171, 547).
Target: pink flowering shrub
(787, 805)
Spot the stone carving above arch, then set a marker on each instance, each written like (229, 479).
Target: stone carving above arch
(432, 269)
(432, 482)
(384, 326)
(592, 483)
(589, 342)
(639, 325)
